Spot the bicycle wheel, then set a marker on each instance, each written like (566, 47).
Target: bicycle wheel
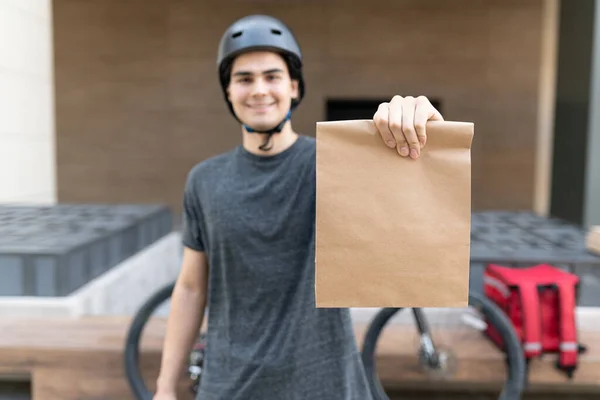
(512, 385)
(132, 342)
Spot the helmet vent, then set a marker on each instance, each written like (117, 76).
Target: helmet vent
(276, 31)
(237, 34)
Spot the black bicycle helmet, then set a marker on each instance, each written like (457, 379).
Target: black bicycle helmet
(260, 32)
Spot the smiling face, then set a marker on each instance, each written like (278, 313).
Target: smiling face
(261, 89)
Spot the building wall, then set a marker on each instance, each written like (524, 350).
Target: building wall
(27, 164)
(139, 103)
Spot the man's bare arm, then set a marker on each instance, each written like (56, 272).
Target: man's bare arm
(188, 303)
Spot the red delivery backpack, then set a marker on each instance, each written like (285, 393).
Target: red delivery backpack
(540, 301)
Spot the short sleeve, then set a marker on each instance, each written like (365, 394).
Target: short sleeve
(192, 221)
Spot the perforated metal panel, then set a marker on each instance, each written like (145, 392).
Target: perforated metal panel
(54, 250)
(521, 239)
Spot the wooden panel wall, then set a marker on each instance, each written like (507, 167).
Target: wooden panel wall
(138, 102)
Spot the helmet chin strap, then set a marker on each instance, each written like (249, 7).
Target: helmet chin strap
(270, 132)
(276, 129)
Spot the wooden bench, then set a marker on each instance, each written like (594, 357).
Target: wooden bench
(81, 359)
(480, 365)
(77, 359)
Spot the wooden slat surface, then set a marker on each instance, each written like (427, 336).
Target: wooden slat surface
(479, 362)
(80, 359)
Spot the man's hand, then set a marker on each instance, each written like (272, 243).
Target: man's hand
(401, 123)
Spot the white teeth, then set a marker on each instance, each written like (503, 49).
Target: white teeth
(260, 105)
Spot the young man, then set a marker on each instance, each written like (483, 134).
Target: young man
(249, 220)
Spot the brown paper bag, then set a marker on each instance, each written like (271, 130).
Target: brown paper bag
(392, 231)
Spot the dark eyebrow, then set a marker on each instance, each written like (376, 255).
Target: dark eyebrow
(269, 71)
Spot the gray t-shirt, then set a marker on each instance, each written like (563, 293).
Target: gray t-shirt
(254, 217)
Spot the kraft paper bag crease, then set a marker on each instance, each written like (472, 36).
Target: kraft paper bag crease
(392, 231)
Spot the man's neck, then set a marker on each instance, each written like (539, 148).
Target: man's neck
(279, 141)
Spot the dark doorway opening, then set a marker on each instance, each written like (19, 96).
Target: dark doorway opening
(347, 109)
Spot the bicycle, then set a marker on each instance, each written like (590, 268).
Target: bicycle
(435, 361)
(132, 347)
(440, 363)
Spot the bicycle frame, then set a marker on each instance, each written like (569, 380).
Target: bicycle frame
(427, 346)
